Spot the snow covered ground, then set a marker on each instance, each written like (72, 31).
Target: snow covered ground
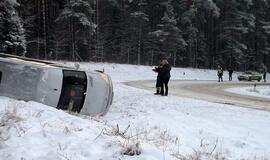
(262, 91)
(161, 128)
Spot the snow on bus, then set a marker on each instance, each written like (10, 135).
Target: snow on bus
(85, 92)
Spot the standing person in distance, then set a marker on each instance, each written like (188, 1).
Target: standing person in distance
(165, 76)
(264, 74)
(220, 73)
(230, 70)
(158, 69)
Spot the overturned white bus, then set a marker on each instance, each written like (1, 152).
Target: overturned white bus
(85, 92)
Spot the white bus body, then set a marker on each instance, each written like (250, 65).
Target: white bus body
(85, 92)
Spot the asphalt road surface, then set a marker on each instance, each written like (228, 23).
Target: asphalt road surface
(211, 91)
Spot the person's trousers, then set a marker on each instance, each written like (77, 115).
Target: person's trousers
(220, 78)
(158, 85)
(230, 77)
(165, 82)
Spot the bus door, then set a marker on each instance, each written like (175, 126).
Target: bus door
(73, 90)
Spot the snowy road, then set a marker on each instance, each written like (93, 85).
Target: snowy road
(211, 91)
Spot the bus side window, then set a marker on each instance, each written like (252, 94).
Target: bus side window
(0, 76)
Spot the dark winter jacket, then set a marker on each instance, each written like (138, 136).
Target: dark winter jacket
(220, 72)
(165, 73)
(158, 70)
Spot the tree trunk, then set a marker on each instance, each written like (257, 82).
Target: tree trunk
(44, 28)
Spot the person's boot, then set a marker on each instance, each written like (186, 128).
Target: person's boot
(162, 93)
(157, 92)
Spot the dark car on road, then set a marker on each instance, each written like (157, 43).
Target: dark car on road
(250, 76)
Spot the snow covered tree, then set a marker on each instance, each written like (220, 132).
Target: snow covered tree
(194, 33)
(140, 19)
(169, 34)
(115, 30)
(206, 18)
(12, 35)
(195, 19)
(232, 28)
(260, 32)
(75, 26)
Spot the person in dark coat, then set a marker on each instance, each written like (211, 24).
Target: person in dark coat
(165, 76)
(158, 69)
(230, 70)
(264, 75)
(220, 73)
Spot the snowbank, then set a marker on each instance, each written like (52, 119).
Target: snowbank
(252, 91)
(122, 73)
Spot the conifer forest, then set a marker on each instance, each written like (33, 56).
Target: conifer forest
(190, 33)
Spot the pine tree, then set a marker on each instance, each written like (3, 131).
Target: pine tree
(12, 35)
(260, 32)
(75, 19)
(232, 29)
(115, 30)
(140, 18)
(206, 21)
(194, 33)
(169, 34)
